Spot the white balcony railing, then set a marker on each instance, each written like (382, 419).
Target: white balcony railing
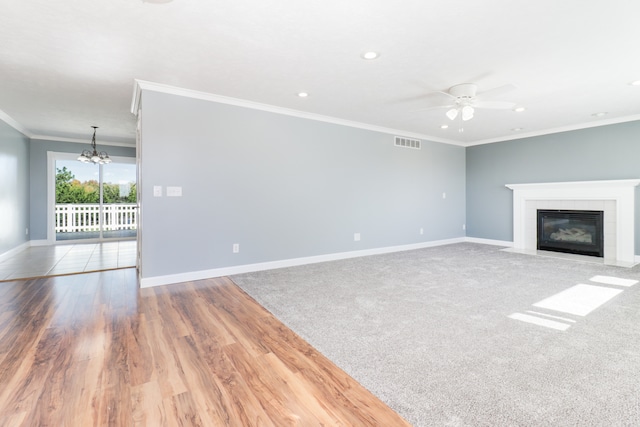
(72, 218)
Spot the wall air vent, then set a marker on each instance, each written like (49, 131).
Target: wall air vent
(407, 142)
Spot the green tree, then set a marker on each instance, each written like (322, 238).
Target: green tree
(111, 193)
(133, 195)
(63, 185)
(71, 190)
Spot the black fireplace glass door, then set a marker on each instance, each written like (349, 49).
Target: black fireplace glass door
(571, 231)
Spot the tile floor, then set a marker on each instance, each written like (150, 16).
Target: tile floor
(55, 260)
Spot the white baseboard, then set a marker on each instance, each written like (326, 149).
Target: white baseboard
(489, 241)
(14, 251)
(24, 246)
(294, 262)
(148, 282)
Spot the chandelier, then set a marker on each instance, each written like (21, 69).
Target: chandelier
(94, 156)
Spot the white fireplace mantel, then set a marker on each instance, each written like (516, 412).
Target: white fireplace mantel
(615, 197)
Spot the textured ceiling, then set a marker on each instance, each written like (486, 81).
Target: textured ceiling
(68, 64)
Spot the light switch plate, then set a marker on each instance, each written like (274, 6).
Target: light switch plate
(157, 191)
(174, 191)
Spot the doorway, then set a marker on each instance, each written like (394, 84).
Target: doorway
(92, 202)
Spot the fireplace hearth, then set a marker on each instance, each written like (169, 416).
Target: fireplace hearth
(571, 231)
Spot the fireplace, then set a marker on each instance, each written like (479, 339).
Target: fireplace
(616, 198)
(571, 231)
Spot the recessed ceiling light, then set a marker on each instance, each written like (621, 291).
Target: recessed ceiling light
(303, 94)
(519, 109)
(516, 129)
(444, 127)
(600, 114)
(636, 83)
(370, 55)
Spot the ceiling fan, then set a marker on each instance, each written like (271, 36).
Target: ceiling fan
(464, 99)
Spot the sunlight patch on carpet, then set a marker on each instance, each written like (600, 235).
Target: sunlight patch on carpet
(609, 280)
(579, 299)
(540, 321)
(551, 316)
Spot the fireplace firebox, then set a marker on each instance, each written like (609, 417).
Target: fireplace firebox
(571, 231)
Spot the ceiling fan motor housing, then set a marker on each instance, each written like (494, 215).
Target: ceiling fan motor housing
(464, 90)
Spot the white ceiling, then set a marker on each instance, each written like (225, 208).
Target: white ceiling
(68, 64)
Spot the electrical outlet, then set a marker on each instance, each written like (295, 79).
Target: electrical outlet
(236, 248)
(422, 231)
(464, 226)
(26, 231)
(356, 237)
(444, 195)
(157, 191)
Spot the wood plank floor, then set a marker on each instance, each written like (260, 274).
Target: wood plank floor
(94, 349)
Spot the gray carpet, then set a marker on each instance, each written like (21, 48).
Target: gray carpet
(428, 332)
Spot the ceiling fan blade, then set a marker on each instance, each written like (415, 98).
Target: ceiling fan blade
(444, 93)
(497, 105)
(429, 98)
(432, 108)
(496, 91)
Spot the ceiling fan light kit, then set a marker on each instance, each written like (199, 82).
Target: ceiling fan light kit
(466, 99)
(467, 112)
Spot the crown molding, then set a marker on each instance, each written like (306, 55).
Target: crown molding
(560, 129)
(14, 124)
(17, 126)
(141, 85)
(82, 141)
(137, 93)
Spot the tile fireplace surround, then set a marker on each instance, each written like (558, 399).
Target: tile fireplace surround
(616, 198)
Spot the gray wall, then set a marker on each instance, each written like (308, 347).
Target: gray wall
(283, 187)
(38, 188)
(14, 188)
(601, 153)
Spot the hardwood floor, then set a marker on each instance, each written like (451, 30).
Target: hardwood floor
(93, 349)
